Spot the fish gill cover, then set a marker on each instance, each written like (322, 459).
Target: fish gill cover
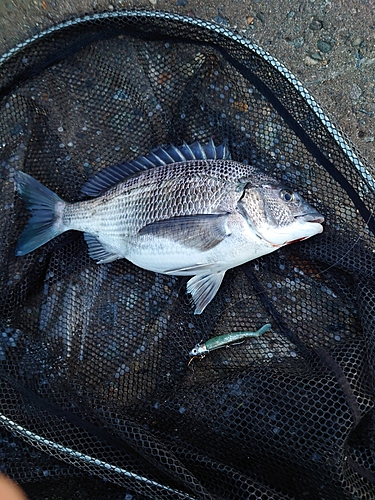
(98, 391)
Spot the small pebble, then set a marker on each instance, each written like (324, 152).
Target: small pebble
(309, 61)
(181, 3)
(355, 92)
(357, 42)
(297, 42)
(324, 46)
(316, 25)
(316, 55)
(221, 20)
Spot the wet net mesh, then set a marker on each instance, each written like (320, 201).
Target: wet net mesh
(97, 398)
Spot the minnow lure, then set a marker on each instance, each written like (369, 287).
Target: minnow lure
(202, 349)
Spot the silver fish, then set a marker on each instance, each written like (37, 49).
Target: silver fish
(187, 211)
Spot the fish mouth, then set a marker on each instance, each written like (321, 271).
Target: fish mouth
(280, 238)
(314, 217)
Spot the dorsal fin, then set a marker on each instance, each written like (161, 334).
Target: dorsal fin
(158, 157)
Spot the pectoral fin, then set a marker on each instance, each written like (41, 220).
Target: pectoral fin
(190, 270)
(199, 231)
(203, 289)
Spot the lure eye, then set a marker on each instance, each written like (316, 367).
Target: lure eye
(286, 195)
(194, 352)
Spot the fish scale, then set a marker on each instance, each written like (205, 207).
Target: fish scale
(141, 201)
(197, 217)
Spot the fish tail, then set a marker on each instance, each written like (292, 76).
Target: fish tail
(46, 209)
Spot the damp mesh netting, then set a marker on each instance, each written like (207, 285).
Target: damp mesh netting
(97, 398)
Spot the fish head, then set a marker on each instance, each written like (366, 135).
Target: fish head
(198, 350)
(279, 215)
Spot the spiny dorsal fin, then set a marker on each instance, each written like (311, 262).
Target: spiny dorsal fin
(158, 157)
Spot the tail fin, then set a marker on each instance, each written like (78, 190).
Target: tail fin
(46, 210)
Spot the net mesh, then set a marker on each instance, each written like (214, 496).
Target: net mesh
(97, 396)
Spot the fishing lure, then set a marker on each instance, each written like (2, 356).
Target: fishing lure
(202, 349)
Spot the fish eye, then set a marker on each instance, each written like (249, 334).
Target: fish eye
(286, 195)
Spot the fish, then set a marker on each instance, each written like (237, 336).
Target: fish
(186, 211)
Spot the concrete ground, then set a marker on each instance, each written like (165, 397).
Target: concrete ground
(328, 44)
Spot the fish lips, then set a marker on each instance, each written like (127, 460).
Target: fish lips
(313, 218)
(304, 226)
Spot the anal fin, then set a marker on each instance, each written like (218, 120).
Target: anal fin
(203, 288)
(97, 251)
